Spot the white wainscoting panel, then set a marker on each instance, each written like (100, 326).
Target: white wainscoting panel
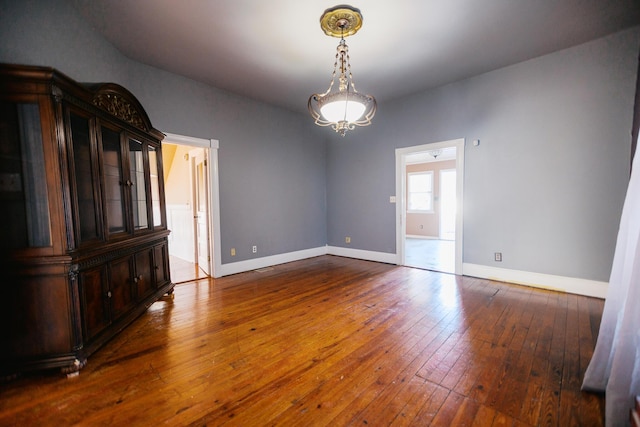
(181, 241)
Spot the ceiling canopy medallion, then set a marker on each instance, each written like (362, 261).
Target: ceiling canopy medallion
(341, 21)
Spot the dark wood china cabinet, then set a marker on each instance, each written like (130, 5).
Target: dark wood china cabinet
(83, 236)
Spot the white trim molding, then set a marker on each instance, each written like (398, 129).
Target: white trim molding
(211, 146)
(572, 285)
(214, 207)
(172, 138)
(401, 202)
(268, 261)
(362, 254)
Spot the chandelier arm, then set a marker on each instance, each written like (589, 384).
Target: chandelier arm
(328, 90)
(317, 117)
(366, 118)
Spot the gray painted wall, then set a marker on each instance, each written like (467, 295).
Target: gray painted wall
(546, 185)
(272, 162)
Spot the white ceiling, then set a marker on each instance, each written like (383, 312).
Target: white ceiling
(275, 51)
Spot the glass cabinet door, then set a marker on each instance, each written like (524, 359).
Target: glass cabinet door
(155, 186)
(137, 185)
(88, 223)
(23, 187)
(113, 181)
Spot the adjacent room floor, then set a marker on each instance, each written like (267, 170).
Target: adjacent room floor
(430, 254)
(184, 271)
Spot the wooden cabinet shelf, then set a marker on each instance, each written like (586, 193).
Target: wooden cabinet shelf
(83, 247)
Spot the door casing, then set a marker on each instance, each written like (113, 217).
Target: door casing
(401, 195)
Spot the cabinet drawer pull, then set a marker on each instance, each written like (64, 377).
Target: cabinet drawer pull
(140, 278)
(109, 294)
(135, 280)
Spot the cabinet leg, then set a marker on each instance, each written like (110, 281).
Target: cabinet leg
(73, 370)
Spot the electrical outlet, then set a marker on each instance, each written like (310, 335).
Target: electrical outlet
(347, 239)
(497, 256)
(233, 251)
(254, 249)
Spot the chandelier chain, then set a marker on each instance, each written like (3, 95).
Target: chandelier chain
(353, 86)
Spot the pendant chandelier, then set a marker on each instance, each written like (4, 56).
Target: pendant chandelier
(345, 108)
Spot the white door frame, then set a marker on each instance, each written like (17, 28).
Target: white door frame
(441, 204)
(211, 154)
(198, 156)
(401, 195)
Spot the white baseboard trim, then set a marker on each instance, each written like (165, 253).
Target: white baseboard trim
(362, 254)
(572, 285)
(268, 261)
(420, 236)
(590, 288)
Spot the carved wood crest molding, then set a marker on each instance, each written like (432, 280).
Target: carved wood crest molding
(119, 102)
(120, 107)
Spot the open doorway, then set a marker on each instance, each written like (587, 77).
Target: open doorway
(429, 212)
(190, 166)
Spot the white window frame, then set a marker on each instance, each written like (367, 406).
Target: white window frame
(429, 193)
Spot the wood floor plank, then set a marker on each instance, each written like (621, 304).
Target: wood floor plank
(449, 410)
(484, 417)
(388, 385)
(591, 411)
(373, 370)
(332, 341)
(418, 392)
(532, 403)
(377, 359)
(428, 411)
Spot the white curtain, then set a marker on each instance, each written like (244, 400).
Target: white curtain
(615, 365)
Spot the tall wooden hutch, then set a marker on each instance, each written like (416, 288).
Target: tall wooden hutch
(83, 236)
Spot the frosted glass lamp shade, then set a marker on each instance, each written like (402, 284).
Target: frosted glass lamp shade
(342, 109)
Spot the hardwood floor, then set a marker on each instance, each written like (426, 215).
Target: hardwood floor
(333, 341)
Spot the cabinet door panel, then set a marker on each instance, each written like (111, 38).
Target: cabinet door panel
(161, 265)
(122, 297)
(84, 174)
(154, 176)
(23, 186)
(12, 197)
(138, 185)
(143, 279)
(113, 180)
(95, 300)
